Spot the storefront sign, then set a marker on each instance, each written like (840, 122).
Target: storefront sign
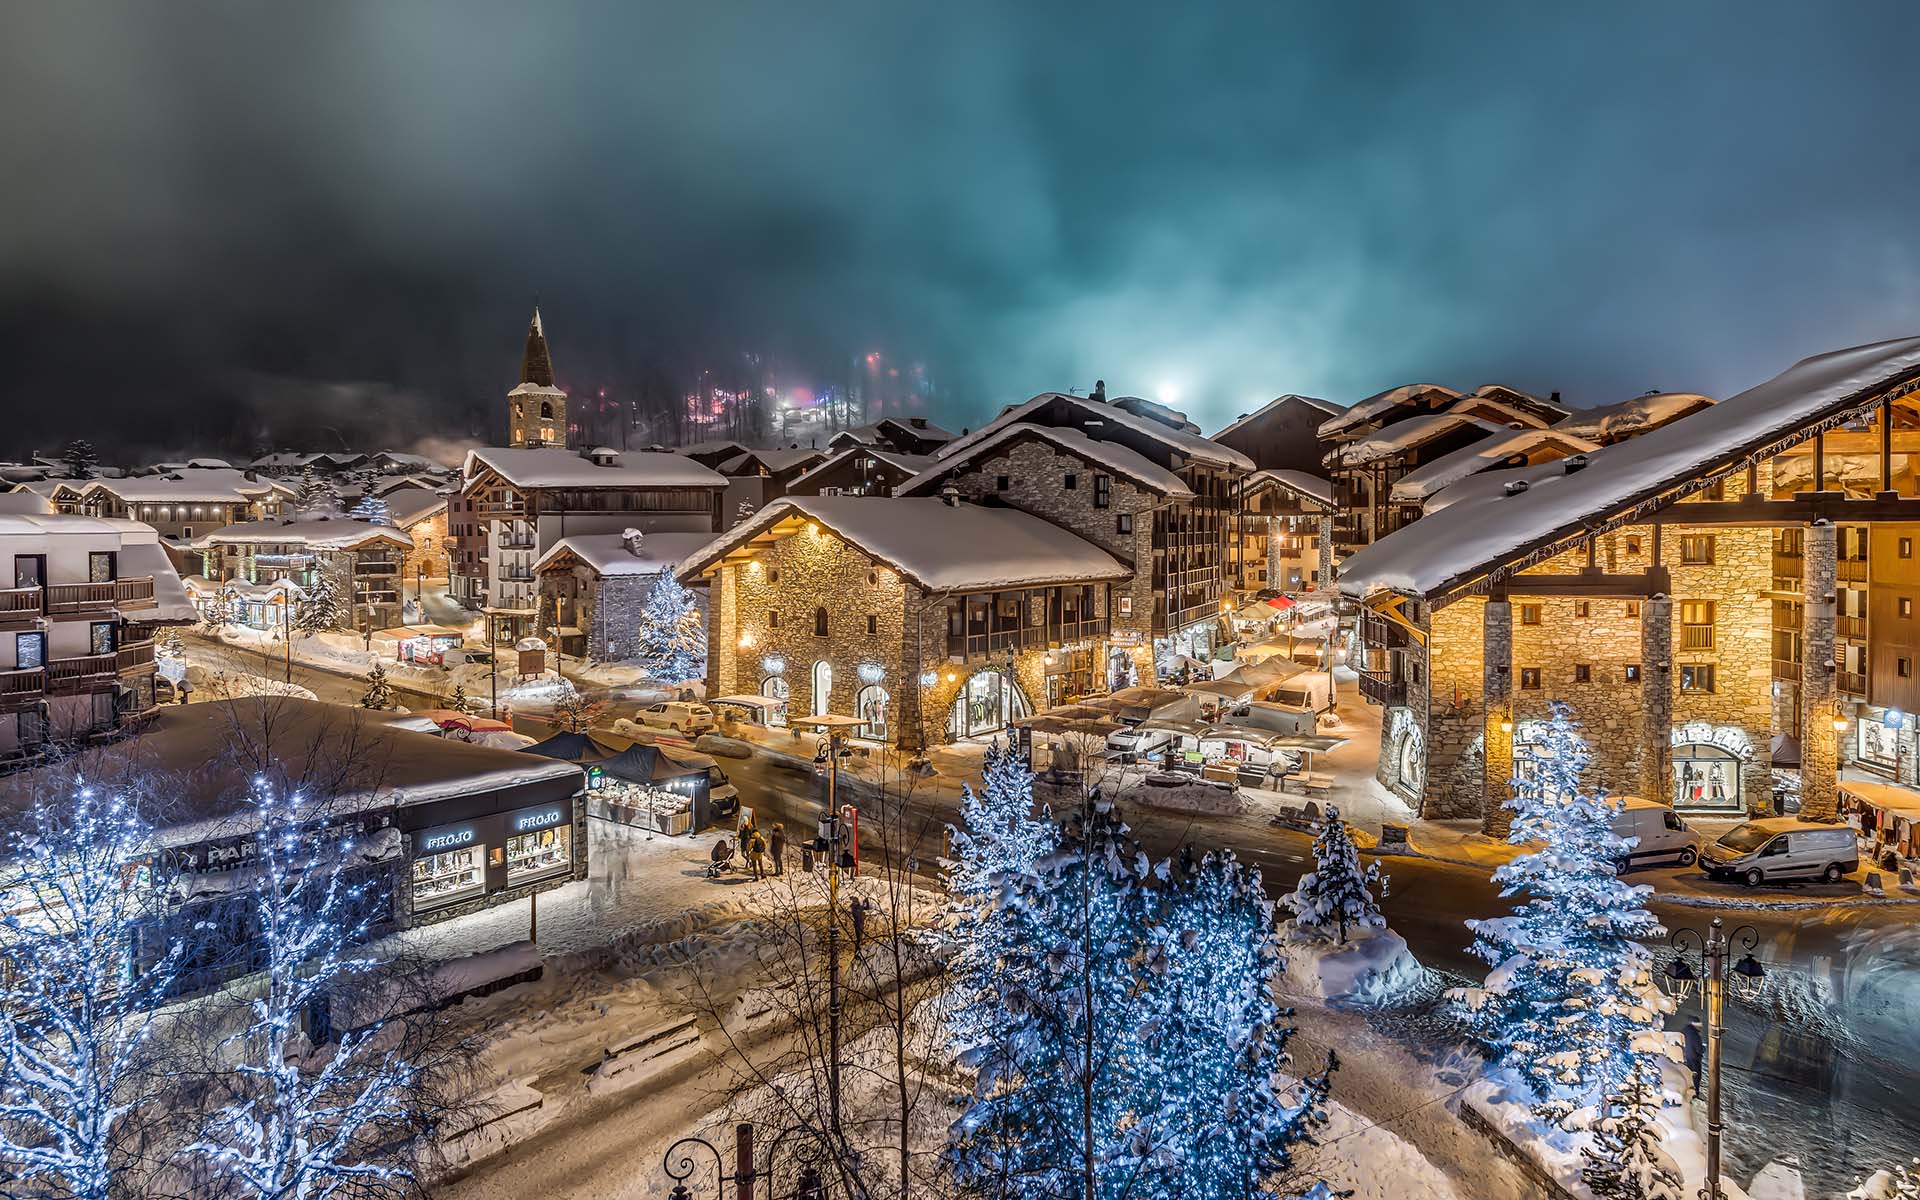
(1723, 737)
(543, 816)
(447, 837)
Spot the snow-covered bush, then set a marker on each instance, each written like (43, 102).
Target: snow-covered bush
(379, 693)
(1625, 1160)
(1570, 1006)
(1337, 895)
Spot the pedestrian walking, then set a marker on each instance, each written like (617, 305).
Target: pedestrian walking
(1691, 1050)
(859, 922)
(778, 843)
(757, 854)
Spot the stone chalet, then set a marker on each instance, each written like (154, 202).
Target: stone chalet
(593, 586)
(1730, 592)
(1131, 477)
(860, 471)
(930, 619)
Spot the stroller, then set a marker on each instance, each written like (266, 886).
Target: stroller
(722, 859)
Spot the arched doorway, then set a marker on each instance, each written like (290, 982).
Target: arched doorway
(871, 706)
(776, 688)
(822, 687)
(987, 704)
(1412, 767)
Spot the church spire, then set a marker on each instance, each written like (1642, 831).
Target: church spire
(536, 365)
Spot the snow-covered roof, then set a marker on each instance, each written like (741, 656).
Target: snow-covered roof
(912, 464)
(47, 524)
(193, 486)
(554, 467)
(1497, 411)
(1299, 482)
(1521, 399)
(1465, 541)
(1411, 395)
(410, 461)
(1112, 455)
(942, 547)
(410, 505)
(330, 533)
(343, 758)
(1416, 486)
(1166, 414)
(775, 461)
(1325, 406)
(607, 553)
(537, 389)
(210, 464)
(1406, 435)
(290, 458)
(1190, 444)
(1629, 418)
(24, 500)
(142, 554)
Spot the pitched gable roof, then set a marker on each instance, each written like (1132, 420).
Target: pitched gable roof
(1115, 457)
(1190, 444)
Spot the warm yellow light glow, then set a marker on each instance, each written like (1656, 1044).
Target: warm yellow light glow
(1506, 724)
(813, 528)
(1839, 724)
(950, 677)
(746, 641)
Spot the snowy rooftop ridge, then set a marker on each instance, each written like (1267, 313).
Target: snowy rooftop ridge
(1416, 486)
(940, 546)
(1464, 541)
(1112, 455)
(1612, 422)
(1326, 406)
(608, 554)
(336, 533)
(1381, 403)
(1406, 435)
(912, 464)
(215, 485)
(1190, 444)
(552, 466)
(1300, 482)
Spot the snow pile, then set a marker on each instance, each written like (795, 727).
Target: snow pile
(1175, 790)
(1374, 969)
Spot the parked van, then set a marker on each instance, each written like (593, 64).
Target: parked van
(1782, 848)
(677, 715)
(1660, 834)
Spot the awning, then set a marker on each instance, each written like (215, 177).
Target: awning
(640, 763)
(572, 747)
(1283, 603)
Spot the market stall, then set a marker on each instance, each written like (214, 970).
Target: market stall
(435, 644)
(1887, 818)
(668, 791)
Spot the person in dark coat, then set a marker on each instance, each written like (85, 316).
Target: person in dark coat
(859, 923)
(1692, 1050)
(757, 854)
(779, 849)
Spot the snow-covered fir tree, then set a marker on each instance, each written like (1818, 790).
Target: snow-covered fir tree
(1570, 1006)
(1626, 1160)
(217, 613)
(80, 459)
(460, 701)
(379, 693)
(307, 1121)
(314, 494)
(673, 638)
(321, 605)
(82, 879)
(1060, 1077)
(372, 509)
(1217, 1040)
(1337, 895)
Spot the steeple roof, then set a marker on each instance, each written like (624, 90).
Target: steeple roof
(536, 365)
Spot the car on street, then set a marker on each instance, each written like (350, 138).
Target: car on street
(1781, 849)
(678, 715)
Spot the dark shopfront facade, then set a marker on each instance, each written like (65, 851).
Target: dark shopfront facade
(474, 852)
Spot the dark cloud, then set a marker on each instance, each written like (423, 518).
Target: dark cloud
(221, 223)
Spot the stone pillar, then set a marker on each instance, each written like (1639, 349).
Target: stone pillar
(1656, 699)
(1818, 741)
(1326, 553)
(1497, 759)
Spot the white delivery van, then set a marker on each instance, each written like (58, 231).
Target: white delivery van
(1660, 835)
(1782, 848)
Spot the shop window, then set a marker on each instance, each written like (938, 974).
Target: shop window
(1696, 677)
(820, 622)
(871, 707)
(450, 875)
(1103, 494)
(1530, 679)
(822, 686)
(1582, 673)
(1071, 481)
(1705, 777)
(1125, 521)
(1633, 672)
(1696, 549)
(544, 852)
(776, 688)
(1529, 614)
(1581, 608)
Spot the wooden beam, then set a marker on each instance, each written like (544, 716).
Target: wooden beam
(1653, 582)
(1836, 507)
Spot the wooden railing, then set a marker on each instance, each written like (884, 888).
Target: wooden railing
(1851, 570)
(86, 666)
(133, 655)
(1852, 683)
(1382, 689)
(30, 681)
(20, 601)
(1696, 637)
(1850, 627)
(117, 593)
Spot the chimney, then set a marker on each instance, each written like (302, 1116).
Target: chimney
(1515, 486)
(631, 539)
(1099, 391)
(1576, 462)
(917, 422)
(1554, 399)
(950, 496)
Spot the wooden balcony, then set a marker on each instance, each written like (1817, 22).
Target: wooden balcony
(77, 672)
(1383, 690)
(133, 657)
(1851, 570)
(21, 603)
(997, 642)
(22, 688)
(63, 598)
(1851, 683)
(1851, 627)
(1696, 637)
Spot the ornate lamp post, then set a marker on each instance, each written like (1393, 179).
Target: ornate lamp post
(1679, 980)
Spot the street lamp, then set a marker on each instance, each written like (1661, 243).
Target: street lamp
(1680, 978)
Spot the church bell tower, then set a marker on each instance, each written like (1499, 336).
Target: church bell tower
(536, 410)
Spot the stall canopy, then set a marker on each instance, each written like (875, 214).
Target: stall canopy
(572, 747)
(1231, 689)
(654, 766)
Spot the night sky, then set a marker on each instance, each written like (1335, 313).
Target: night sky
(223, 226)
